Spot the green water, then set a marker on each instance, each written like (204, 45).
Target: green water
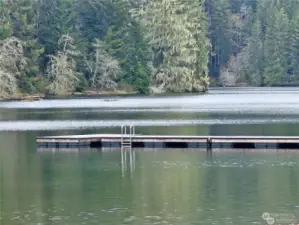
(178, 187)
(173, 187)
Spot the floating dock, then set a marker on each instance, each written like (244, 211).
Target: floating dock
(168, 141)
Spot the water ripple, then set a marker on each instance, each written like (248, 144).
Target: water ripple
(83, 124)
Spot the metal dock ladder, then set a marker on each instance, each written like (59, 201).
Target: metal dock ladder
(126, 143)
(126, 138)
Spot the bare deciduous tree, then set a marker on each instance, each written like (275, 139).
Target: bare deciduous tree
(227, 77)
(12, 61)
(233, 73)
(102, 67)
(8, 84)
(61, 70)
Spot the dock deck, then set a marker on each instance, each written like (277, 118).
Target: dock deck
(169, 141)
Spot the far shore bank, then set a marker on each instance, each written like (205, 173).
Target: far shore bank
(86, 94)
(37, 96)
(110, 95)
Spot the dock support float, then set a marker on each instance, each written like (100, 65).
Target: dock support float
(209, 144)
(132, 140)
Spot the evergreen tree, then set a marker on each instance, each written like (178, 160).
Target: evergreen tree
(275, 47)
(255, 55)
(220, 35)
(290, 7)
(56, 18)
(5, 22)
(294, 47)
(198, 27)
(23, 15)
(177, 32)
(93, 20)
(126, 43)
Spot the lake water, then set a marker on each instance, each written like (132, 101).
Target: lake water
(177, 187)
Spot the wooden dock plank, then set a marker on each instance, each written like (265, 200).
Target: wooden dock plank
(87, 136)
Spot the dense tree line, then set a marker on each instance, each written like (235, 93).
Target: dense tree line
(65, 46)
(254, 42)
(71, 45)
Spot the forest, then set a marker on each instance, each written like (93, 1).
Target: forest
(73, 46)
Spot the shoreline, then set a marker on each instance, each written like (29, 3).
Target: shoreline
(40, 96)
(87, 94)
(117, 93)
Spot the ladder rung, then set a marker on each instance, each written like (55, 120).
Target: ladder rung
(126, 145)
(126, 138)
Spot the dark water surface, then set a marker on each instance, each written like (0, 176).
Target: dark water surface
(165, 187)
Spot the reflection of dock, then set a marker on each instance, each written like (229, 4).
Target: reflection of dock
(168, 141)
